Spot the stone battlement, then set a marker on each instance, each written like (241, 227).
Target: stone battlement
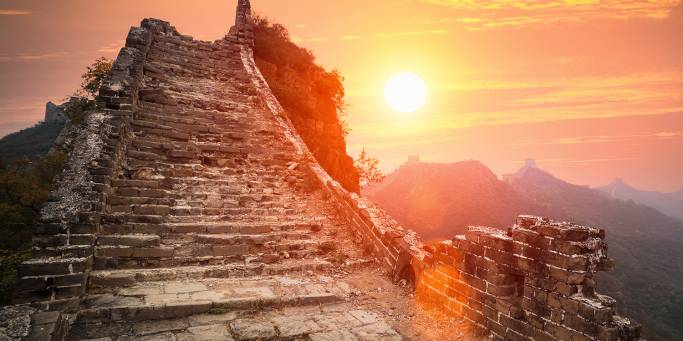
(188, 200)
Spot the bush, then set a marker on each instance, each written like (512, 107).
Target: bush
(92, 78)
(304, 88)
(24, 188)
(77, 108)
(368, 168)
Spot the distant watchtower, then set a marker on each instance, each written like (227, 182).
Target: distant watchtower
(243, 30)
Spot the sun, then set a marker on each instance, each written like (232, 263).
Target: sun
(406, 92)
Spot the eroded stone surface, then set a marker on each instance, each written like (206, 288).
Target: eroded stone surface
(15, 322)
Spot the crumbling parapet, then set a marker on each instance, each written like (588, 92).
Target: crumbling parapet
(57, 276)
(537, 281)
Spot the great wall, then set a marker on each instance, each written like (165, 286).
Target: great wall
(190, 209)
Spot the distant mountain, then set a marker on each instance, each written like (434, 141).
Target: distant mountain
(440, 200)
(30, 142)
(670, 204)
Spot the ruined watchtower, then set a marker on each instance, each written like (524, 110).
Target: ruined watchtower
(244, 27)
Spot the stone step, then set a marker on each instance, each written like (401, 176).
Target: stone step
(216, 309)
(207, 216)
(46, 279)
(251, 239)
(56, 240)
(250, 228)
(325, 322)
(162, 206)
(263, 227)
(126, 257)
(66, 251)
(116, 200)
(130, 240)
(102, 263)
(53, 266)
(149, 193)
(103, 280)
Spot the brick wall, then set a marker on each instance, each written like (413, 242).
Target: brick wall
(57, 276)
(537, 281)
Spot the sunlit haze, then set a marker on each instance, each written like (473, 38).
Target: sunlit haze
(592, 90)
(406, 92)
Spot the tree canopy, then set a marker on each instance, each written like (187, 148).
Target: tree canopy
(302, 87)
(368, 167)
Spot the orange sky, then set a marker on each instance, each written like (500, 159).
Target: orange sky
(593, 89)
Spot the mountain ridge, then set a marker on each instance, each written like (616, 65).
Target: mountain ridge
(669, 203)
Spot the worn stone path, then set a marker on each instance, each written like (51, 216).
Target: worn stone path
(214, 231)
(260, 308)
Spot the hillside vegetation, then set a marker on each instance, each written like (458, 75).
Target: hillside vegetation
(312, 97)
(30, 142)
(24, 187)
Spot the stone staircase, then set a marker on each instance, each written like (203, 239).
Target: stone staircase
(212, 229)
(207, 181)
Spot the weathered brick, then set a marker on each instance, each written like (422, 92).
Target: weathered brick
(155, 252)
(608, 333)
(579, 324)
(231, 250)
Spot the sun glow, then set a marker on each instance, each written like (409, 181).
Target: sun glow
(406, 92)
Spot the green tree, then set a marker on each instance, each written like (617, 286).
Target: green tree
(368, 168)
(304, 88)
(92, 78)
(82, 101)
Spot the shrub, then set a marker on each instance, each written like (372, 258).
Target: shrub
(24, 188)
(304, 88)
(92, 78)
(368, 168)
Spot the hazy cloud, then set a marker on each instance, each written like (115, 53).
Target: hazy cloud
(489, 14)
(411, 34)
(13, 12)
(112, 47)
(298, 39)
(32, 56)
(602, 139)
(351, 37)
